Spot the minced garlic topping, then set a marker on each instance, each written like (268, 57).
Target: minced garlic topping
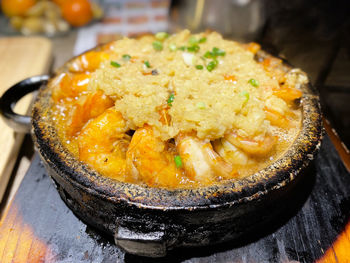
(175, 88)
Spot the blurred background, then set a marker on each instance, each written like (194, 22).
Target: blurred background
(313, 35)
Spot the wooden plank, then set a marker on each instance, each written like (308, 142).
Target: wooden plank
(39, 227)
(342, 150)
(21, 57)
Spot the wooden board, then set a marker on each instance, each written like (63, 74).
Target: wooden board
(20, 57)
(38, 227)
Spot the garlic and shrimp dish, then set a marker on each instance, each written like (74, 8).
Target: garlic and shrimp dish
(177, 111)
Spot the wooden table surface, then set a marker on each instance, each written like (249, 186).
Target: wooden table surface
(62, 50)
(21, 57)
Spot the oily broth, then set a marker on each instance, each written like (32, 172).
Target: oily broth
(285, 139)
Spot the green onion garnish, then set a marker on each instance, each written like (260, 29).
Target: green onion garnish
(157, 45)
(202, 40)
(211, 65)
(172, 47)
(161, 35)
(147, 64)
(126, 57)
(218, 52)
(214, 53)
(208, 54)
(115, 64)
(178, 161)
(253, 82)
(171, 99)
(193, 40)
(194, 48)
(201, 105)
(183, 48)
(246, 95)
(199, 67)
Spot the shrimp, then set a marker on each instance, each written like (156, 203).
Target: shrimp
(89, 61)
(200, 161)
(287, 93)
(251, 146)
(276, 118)
(290, 88)
(85, 108)
(231, 153)
(70, 85)
(275, 66)
(149, 160)
(103, 144)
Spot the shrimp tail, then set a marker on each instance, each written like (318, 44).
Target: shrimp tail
(250, 146)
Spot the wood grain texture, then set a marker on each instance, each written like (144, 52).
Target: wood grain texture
(341, 148)
(38, 226)
(21, 57)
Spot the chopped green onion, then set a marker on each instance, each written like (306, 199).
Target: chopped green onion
(157, 45)
(218, 52)
(162, 35)
(183, 48)
(194, 48)
(193, 40)
(202, 40)
(126, 57)
(178, 161)
(208, 54)
(115, 64)
(253, 82)
(199, 67)
(147, 64)
(201, 105)
(211, 65)
(246, 95)
(171, 99)
(172, 47)
(213, 54)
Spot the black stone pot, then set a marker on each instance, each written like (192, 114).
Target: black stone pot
(149, 221)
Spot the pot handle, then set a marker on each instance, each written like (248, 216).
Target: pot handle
(20, 123)
(149, 244)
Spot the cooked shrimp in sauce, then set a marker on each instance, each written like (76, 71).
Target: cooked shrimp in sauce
(151, 160)
(200, 161)
(179, 111)
(103, 143)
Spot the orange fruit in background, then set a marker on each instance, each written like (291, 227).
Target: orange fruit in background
(77, 12)
(16, 7)
(60, 2)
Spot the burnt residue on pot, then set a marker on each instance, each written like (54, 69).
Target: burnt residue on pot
(148, 221)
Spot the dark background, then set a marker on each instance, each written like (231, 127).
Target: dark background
(315, 35)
